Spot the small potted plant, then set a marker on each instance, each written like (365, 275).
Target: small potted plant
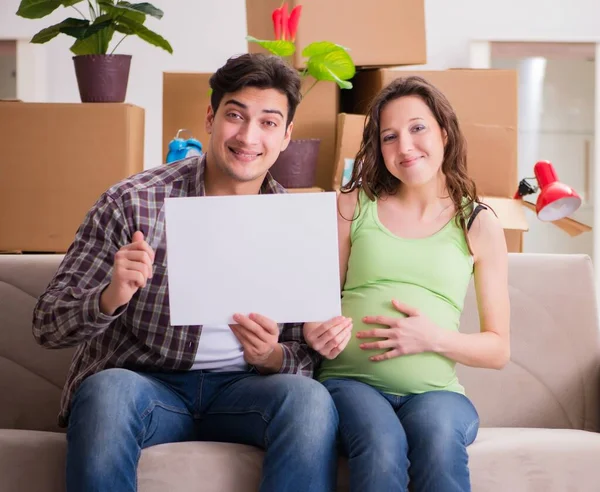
(101, 76)
(324, 61)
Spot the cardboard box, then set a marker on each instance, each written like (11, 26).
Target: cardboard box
(57, 159)
(186, 99)
(485, 102)
(377, 32)
(314, 189)
(350, 129)
(512, 217)
(349, 135)
(316, 117)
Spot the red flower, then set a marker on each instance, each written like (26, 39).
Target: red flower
(276, 16)
(293, 21)
(284, 21)
(285, 26)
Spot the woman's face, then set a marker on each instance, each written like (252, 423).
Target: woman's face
(412, 142)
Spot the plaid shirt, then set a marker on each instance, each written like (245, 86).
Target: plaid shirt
(138, 336)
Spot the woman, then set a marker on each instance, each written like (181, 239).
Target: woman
(411, 235)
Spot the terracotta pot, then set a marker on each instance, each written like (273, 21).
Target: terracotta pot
(296, 166)
(102, 78)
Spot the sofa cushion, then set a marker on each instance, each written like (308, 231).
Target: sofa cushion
(552, 379)
(527, 460)
(32, 461)
(519, 460)
(32, 375)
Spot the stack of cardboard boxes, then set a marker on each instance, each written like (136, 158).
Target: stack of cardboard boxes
(383, 36)
(56, 160)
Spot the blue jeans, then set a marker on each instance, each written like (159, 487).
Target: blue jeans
(117, 412)
(388, 438)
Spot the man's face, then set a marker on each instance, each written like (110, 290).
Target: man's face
(247, 133)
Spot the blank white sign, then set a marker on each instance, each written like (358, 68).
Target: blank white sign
(276, 255)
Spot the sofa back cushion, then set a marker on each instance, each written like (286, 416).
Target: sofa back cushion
(552, 379)
(31, 377)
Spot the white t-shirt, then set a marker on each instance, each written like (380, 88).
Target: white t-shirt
(219, 350)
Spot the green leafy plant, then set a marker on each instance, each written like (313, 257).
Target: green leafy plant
(324, 60)
(93, 35)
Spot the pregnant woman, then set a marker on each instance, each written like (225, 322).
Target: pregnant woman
(412, 234)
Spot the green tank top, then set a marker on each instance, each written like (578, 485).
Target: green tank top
(431, 274)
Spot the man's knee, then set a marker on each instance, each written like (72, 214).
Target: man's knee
(309, 398)
(107, 396)
(306, 405)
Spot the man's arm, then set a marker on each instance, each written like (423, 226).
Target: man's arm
(298, 357)
(68, 312)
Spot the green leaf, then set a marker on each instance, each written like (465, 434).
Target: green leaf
(116, 12)
(104, 38)
(124, 30)
(93, 13)
(36, 9)
(144, 8)
(146, 34)
(344, 84)
(335, 65)
(70, 3)
(84, 32)
(51, 32)
(96, 44)
(279, 48)
(319, 48)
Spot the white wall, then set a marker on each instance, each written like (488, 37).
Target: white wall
(205, 32)
(452, 24)
(556, 123)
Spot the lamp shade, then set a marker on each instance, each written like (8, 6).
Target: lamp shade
(556, 200)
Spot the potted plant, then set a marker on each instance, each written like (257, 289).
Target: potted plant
(101, 76)
(324, 61)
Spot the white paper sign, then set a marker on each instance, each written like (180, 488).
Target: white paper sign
(276, 255)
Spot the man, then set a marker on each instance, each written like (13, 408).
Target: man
(136, 381)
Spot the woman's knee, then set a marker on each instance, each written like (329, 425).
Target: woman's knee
(442, 427)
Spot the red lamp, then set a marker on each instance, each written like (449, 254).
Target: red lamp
(556, 200)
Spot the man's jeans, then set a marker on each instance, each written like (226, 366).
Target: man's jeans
(390, 438)
(116, 413)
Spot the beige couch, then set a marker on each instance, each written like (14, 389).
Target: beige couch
(539, 415)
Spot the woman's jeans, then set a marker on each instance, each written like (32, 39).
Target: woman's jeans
(391, 440)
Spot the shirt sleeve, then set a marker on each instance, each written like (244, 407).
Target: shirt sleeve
(298, 357)
(68, 312)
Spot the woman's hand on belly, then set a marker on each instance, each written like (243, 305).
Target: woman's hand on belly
(413, 334)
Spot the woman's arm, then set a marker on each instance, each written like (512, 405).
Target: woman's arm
(491, 347)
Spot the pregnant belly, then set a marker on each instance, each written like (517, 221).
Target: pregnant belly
(408, 374)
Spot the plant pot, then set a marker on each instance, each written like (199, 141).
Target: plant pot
(296, 166)
(102, 78)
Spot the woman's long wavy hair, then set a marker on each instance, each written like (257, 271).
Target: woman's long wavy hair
(370, 174)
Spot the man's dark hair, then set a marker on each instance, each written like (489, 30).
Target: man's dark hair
(260, 71)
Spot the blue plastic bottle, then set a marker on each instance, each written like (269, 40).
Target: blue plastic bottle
(180, 148)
